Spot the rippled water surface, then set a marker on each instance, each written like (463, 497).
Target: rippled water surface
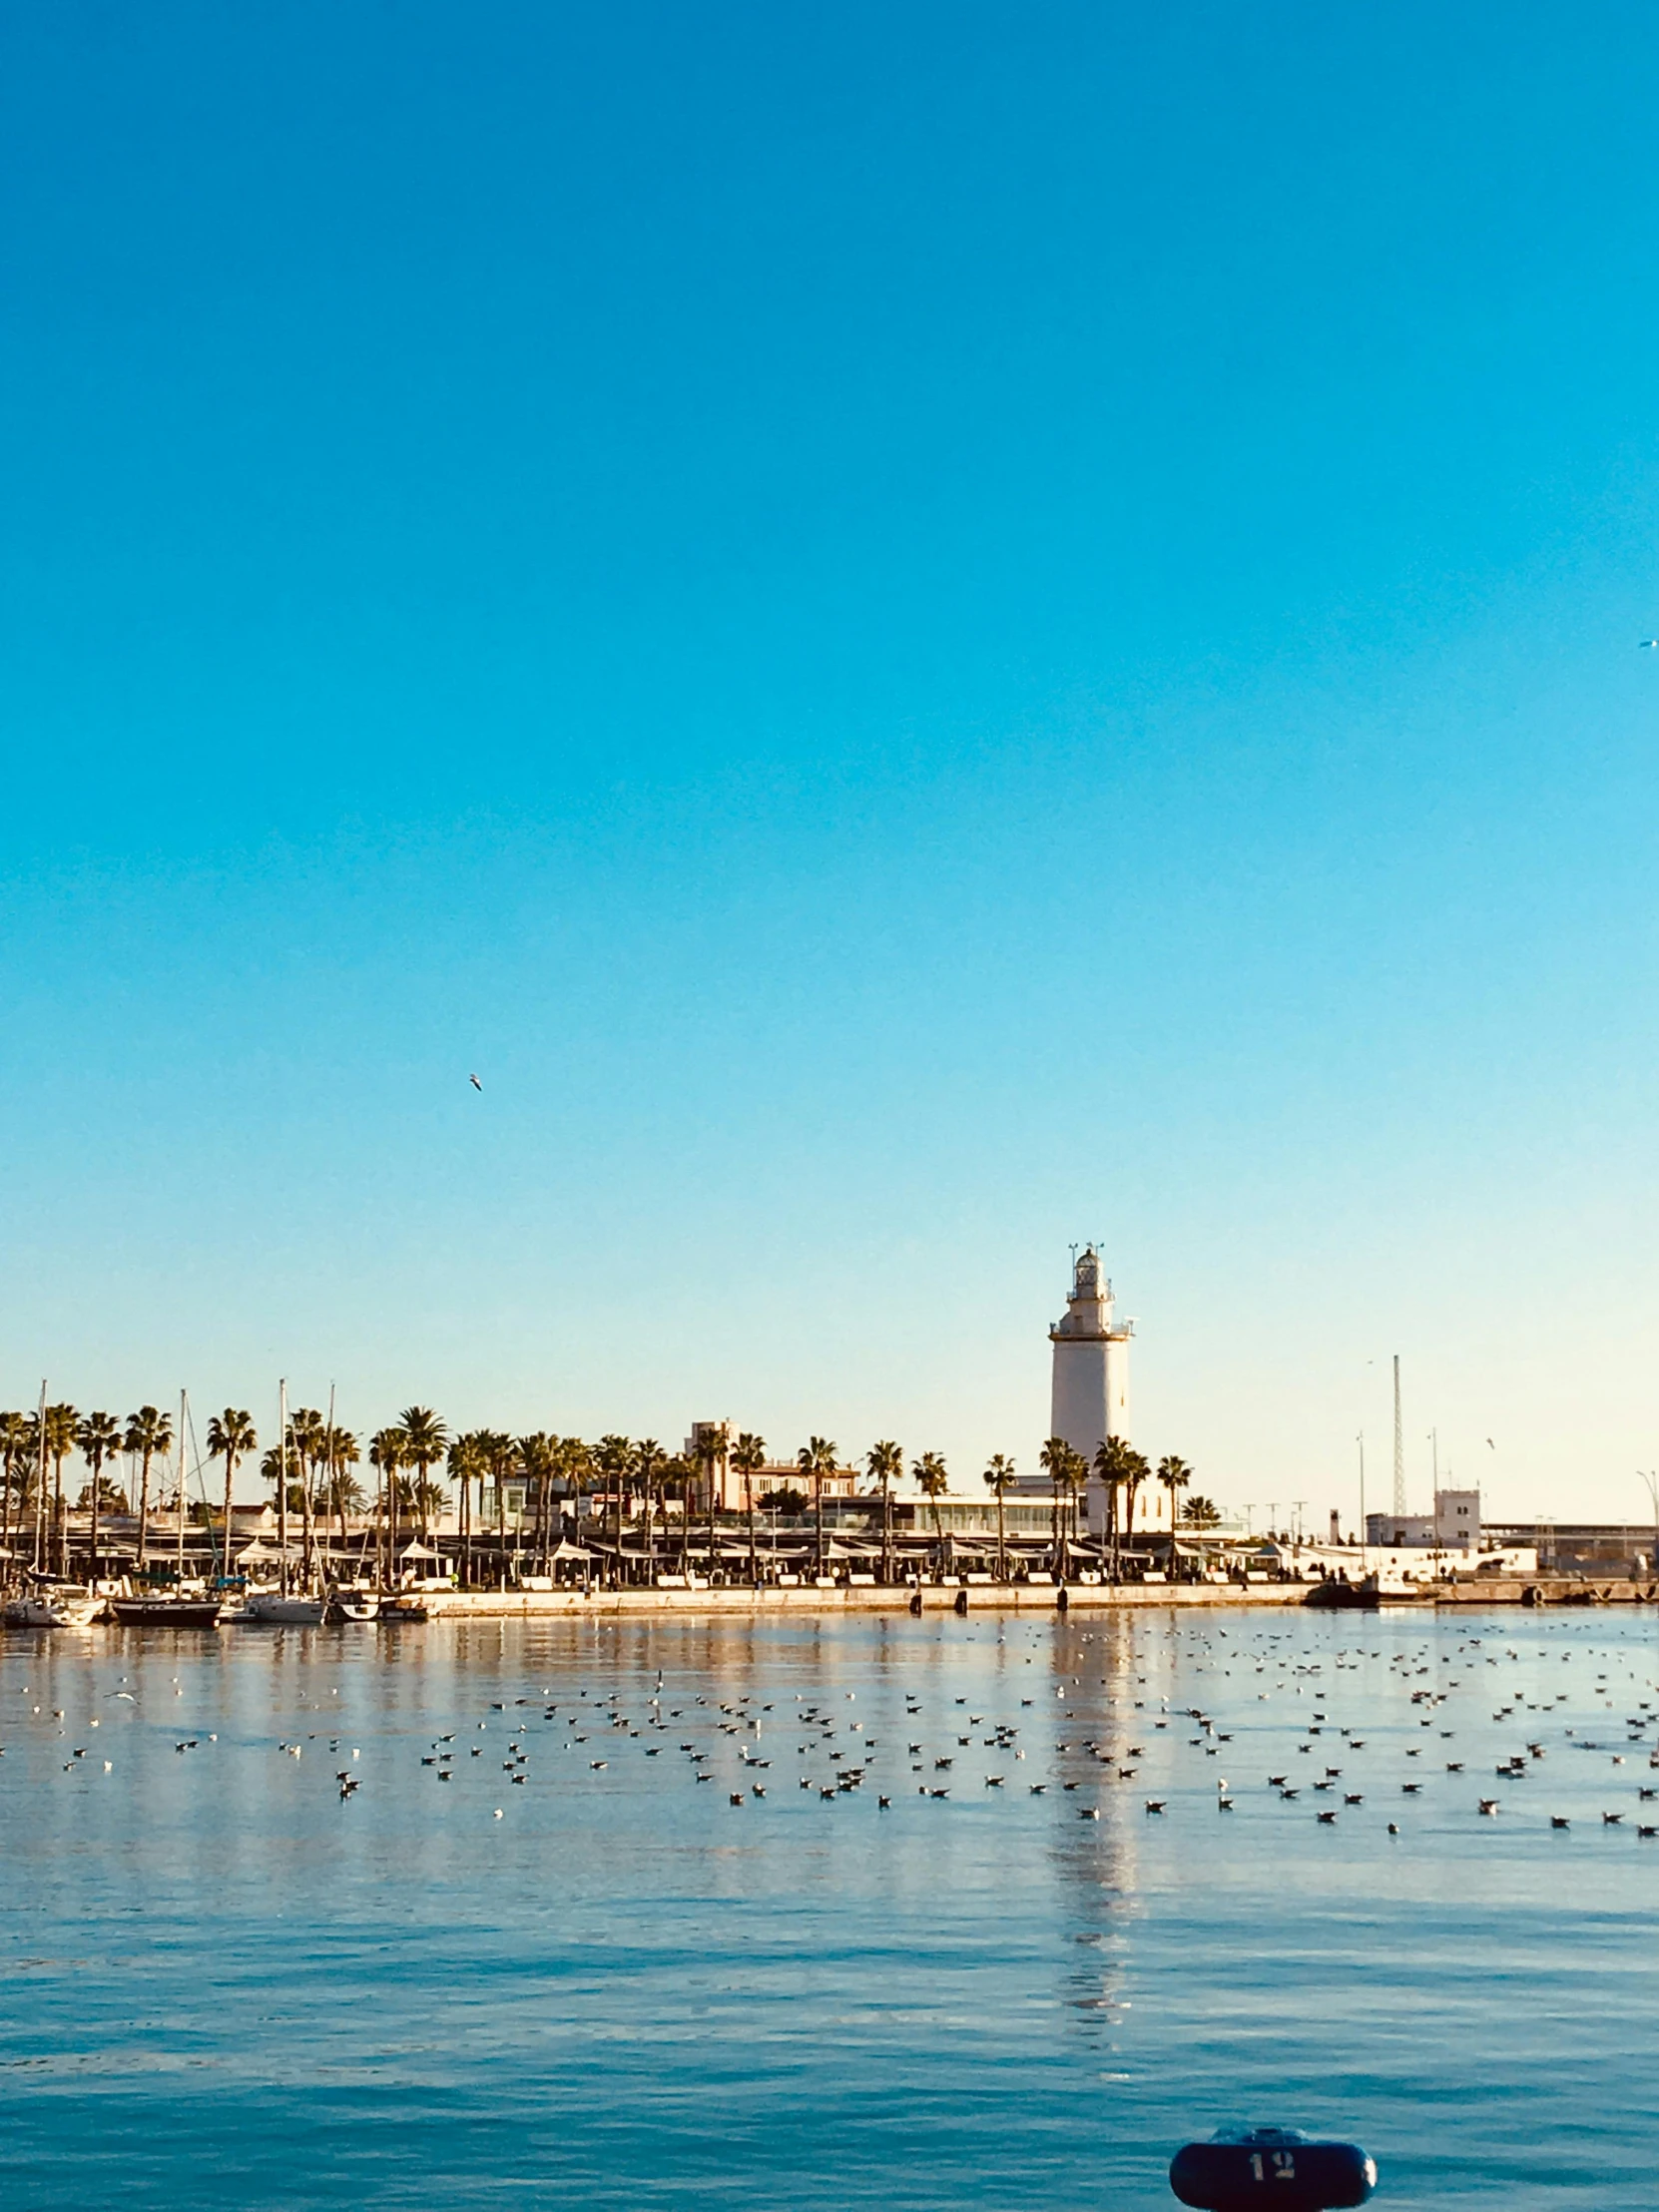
(607, 1983)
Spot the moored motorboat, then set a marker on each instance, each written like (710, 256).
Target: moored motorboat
(1335, 1595)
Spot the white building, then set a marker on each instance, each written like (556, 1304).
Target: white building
(1089, 1396)
(1455, 1524)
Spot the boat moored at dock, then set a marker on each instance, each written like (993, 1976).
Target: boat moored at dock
(281, 1609)
(168, 1610)
(353, 1601)
(55, 1605)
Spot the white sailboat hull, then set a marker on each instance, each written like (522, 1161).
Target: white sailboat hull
(62, 1609)
(271, 1609)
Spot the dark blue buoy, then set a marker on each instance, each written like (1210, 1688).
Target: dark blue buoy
(1254, 2167)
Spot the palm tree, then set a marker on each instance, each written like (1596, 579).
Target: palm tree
(148, 1431)
(580, 1470)
(1175, 1475)
(1000, 1477)
(614, 1456)
(1053, 1459)
(466, 1466)
(886, 1461)
(60, 1431)
(1114, 1463)
(1137, 1468)
(933, 1483)
(276, 1468)
(648, 1459)
(345, 1492)
(97, 1436)
(231, 1438)
(306, 1440)
(388, 1452)
(749, 1457)
(816, 1459)
(713, 1449)
(679, 1479)
(15, 1433)
(1200, 1513)
(500, 1462)
(427, 1441)
(538, 1459)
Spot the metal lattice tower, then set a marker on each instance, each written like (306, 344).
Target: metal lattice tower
(1399, 1451)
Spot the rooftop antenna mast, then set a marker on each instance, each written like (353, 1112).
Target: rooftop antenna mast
(1399, 1451)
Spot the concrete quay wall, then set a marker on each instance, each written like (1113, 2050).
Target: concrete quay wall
(1013, 1597)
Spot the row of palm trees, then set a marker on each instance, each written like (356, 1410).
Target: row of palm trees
(52, 1434)
(310, 1472)
(1122, 1473)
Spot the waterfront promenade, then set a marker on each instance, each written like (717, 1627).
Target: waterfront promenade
(739, 1601)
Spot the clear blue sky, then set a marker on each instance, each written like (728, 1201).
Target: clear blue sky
(921, 631)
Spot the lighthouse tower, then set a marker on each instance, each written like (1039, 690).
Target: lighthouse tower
(1091, 1370)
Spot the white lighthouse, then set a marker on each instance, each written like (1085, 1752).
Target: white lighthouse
(1090, 1399)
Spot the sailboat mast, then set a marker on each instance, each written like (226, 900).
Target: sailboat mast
(40, 1480)
(283, 1474)
(329, 1478)
(184, 1431)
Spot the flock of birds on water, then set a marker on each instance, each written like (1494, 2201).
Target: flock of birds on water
(1464, 1723)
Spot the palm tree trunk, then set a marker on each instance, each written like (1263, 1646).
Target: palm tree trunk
(144, 1508)
(230, 1478)
(887, 1528)
(96, 1463)
(818, 1502)
(1001, 1540)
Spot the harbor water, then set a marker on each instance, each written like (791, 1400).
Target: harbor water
(529, 1949)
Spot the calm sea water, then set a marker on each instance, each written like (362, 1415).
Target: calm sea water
(222, 1982)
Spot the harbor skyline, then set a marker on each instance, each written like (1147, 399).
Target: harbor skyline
(1088, 1399)
(1003, 671)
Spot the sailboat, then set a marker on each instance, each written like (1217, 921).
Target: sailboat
(282, 1607)
(177, 1608)
(54, 1601)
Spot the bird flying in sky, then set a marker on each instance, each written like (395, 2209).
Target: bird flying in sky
(473, 1080)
